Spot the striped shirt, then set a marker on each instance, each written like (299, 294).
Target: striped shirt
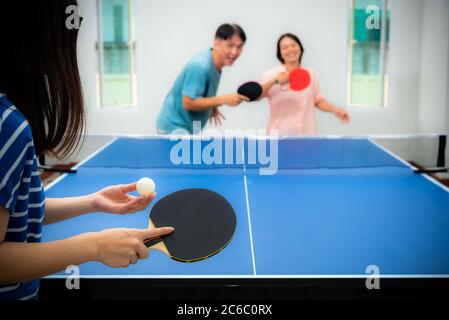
(21, 190)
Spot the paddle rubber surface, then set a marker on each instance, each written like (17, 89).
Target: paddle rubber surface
(204, 223)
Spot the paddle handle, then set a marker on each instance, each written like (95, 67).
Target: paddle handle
(152, 242)
(157, 244)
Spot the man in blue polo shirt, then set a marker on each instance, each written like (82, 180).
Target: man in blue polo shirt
(192, 98)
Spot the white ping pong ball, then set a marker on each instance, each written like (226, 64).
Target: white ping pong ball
(145, 186)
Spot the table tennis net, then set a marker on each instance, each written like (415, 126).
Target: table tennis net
(256, 153)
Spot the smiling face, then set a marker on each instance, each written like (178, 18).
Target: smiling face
(228, 51)
(290, 51)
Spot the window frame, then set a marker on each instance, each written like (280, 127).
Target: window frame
(384, 49)
(100, 58)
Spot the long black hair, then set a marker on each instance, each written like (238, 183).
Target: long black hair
(294, 38)
(39, 72)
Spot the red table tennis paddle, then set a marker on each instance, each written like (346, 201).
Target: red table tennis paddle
(204, 223)
(299, 79)
(252, 90)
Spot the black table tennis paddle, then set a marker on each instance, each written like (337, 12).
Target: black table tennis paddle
(251, 90)
(203, 220)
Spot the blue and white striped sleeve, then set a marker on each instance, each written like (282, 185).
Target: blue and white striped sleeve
(15, 150)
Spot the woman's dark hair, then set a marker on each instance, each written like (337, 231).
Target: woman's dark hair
(227, 31)
(294, 38)
(39, 71)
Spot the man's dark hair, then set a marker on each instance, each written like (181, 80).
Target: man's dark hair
(227, 31)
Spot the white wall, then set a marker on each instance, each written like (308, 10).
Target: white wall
(447, 116)
(434, 65)
(169, 32)
(433, 115)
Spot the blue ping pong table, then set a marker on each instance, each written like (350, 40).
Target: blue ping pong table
(334, 208)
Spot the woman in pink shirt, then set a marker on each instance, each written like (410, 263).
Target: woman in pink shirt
(293, 112)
